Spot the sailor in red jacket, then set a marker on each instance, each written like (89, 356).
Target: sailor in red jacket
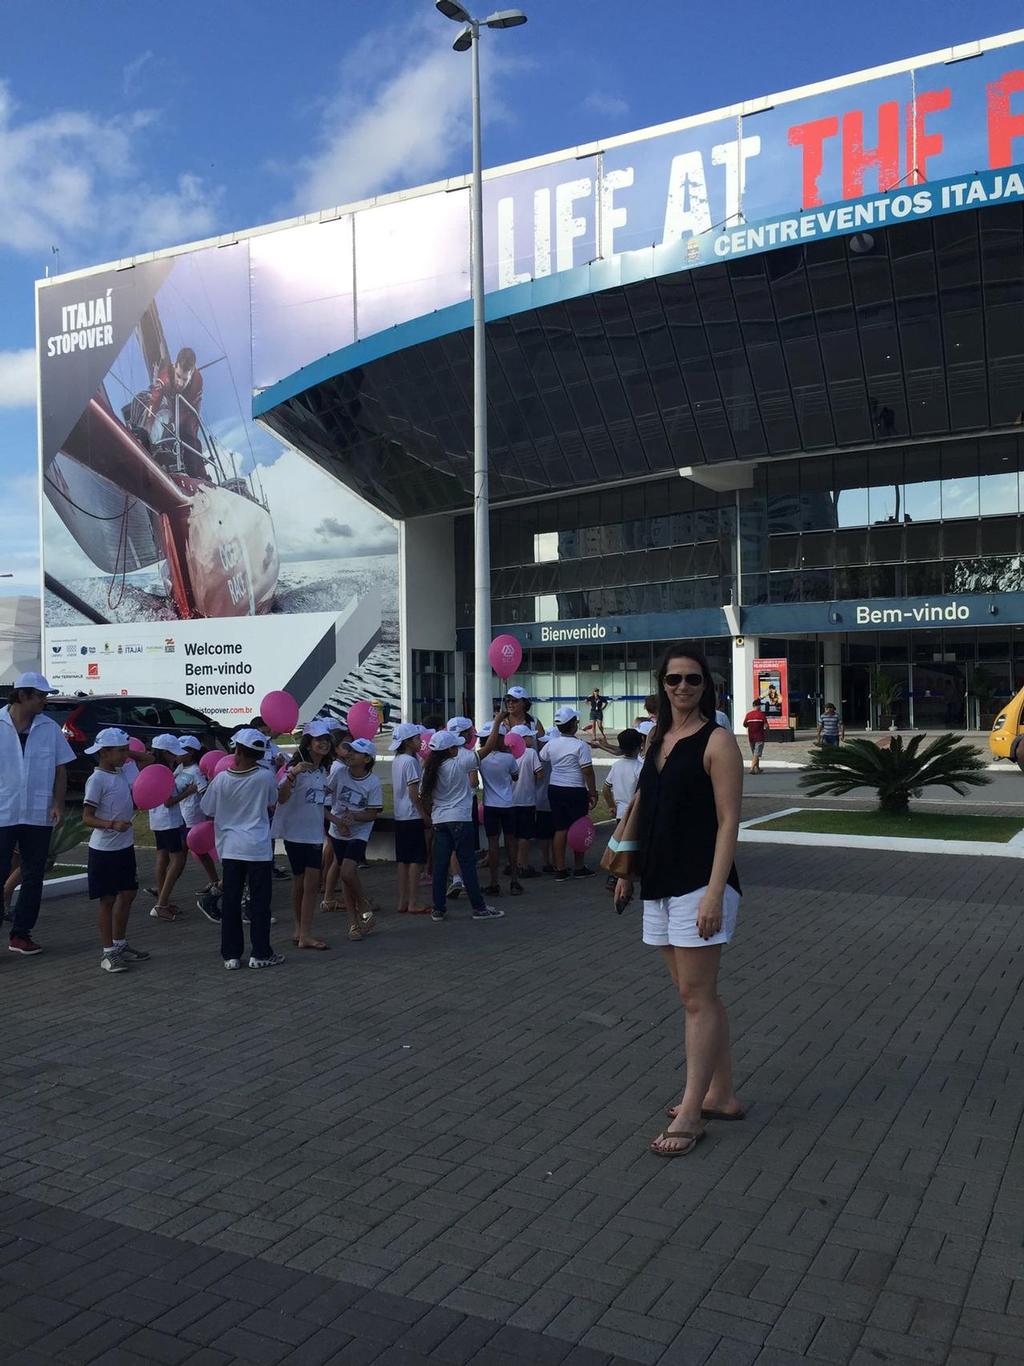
(182, 380)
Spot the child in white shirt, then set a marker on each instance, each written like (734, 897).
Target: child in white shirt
(108, 810)
(240, 801)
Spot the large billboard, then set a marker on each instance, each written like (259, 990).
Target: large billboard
(188, 552)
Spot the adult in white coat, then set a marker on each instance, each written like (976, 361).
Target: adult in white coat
(33, 783)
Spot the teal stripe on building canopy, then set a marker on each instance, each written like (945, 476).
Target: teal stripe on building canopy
(871, 212)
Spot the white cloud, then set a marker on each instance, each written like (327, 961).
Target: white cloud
(601, 103)
(71, 179)
(18, 378)
(399, 122)
(130, 73)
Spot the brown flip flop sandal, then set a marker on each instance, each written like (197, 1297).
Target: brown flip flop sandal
(318, 945)
(694, 1136)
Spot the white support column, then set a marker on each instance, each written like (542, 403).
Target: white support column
(426, 595)
(744, 652)
(832, 674)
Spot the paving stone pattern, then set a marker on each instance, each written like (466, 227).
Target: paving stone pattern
(431, 1147)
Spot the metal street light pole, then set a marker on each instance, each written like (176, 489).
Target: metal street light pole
(470, 37)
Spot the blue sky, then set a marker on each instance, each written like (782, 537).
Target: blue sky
(151, 128)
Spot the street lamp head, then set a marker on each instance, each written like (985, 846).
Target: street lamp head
(451, 10)
(465, 39)
(506, 18)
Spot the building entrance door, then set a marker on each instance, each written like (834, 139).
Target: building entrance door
(939, 696)
(856, 706)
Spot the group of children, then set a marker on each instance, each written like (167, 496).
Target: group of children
(322, 804)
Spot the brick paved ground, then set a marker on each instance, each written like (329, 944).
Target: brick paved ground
(431, 1147)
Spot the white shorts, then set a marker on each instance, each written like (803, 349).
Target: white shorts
(673, 920)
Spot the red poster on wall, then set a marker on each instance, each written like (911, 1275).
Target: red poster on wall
(771, 691)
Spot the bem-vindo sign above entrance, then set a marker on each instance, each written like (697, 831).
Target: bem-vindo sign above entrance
(950, 613)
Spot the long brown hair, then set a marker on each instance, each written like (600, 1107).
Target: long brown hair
(431, 769)
(682, 649)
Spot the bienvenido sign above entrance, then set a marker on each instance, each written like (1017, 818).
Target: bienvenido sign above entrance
(594, 631)
(918, 614)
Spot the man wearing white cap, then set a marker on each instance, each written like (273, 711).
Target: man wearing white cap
(33, 783)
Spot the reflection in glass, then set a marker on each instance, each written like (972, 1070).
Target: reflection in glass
(852, 507)
(921, 501)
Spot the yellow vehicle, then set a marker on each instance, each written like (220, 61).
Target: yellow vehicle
(1007, 728)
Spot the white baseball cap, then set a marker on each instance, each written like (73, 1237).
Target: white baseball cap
(363, 746)
(445, 739)
(645, 727)
(405, 730)
(109, 738)
(318, 727)
(552, 734)
(526, 731)
(170, 743)
(190, 742)
(565, 714)
(458, 724)
(36, 681)
(249, 738)
(483, 731)
(520, 694)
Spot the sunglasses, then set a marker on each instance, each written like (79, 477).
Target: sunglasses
(674, 680)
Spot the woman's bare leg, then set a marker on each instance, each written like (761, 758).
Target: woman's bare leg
(696, 976)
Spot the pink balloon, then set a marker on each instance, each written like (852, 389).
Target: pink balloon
(225, 761)
(363, 720)
(135, 745)
(152, 787)
(208, 763)
(280, 711)
(516, 745)
(580, 835)
(201, 838)
(470, 737)
(282, 773)
(505, 655)
(425, 746)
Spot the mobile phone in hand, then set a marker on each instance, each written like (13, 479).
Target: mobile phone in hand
(621, 903)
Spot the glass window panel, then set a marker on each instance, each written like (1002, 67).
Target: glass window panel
(960, 538)
(922, 580)
(816, 585)
(921, 496)
(893, 648)
(783, 552)
(851, 547)
(922, 543)
(999, 536)
(886, 543)
(851, 476)
(817, 551)
(960, 480)
(998, 493)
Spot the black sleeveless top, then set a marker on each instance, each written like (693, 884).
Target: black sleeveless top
(678, 821)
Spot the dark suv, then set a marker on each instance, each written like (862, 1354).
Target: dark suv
(81, 717)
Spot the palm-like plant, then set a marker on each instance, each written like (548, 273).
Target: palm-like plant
(897, 772)
(70, 833)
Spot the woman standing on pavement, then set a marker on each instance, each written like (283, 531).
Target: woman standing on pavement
(689, 797)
